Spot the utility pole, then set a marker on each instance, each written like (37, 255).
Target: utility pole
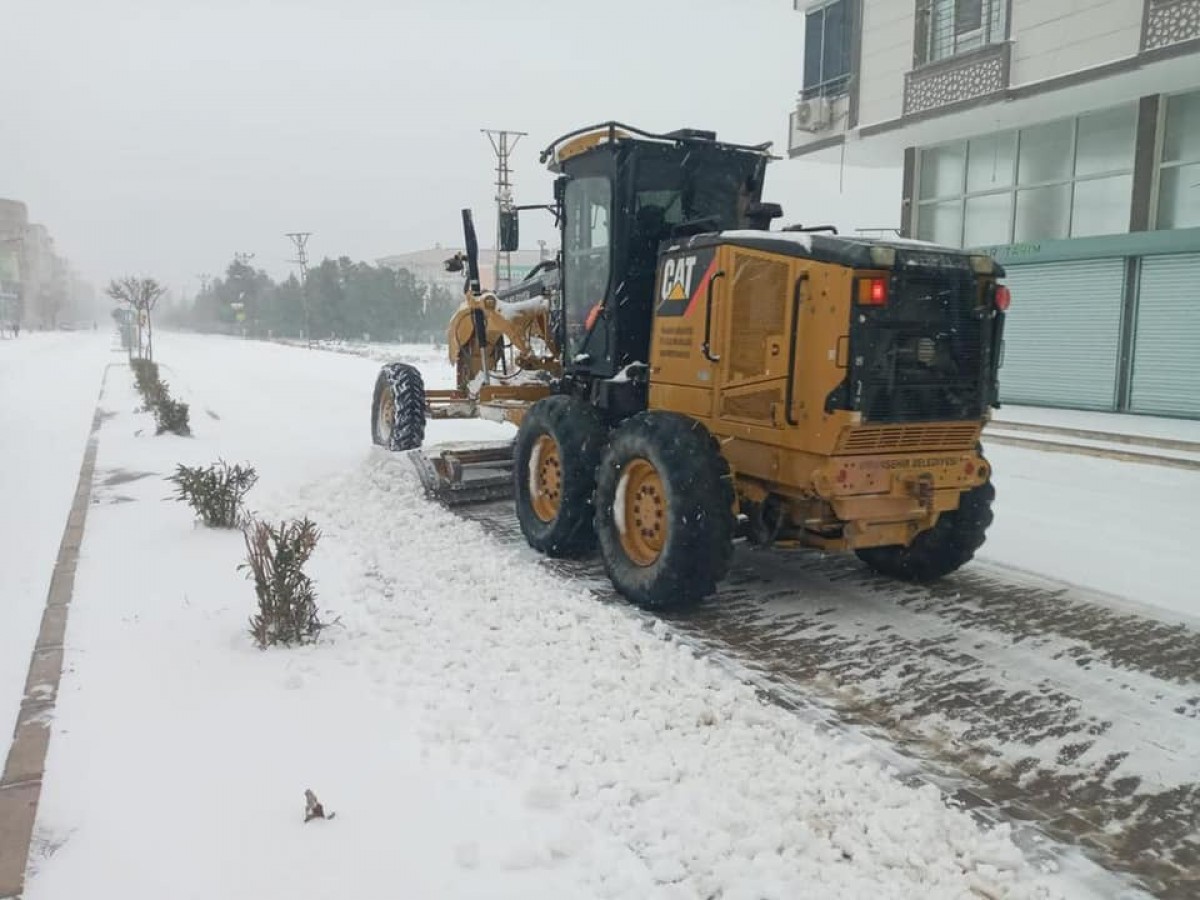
(300, 240)
(501, 143)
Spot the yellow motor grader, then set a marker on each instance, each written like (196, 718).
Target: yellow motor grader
(706, 378)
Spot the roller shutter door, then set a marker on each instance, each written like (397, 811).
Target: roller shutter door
(1166, 354)
(1062, 334)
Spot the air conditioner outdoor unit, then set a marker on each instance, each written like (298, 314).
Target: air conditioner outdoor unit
(814, 115)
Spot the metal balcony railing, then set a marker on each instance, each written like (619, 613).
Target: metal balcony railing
(949, 28)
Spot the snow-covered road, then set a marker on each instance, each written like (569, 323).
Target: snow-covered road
(1026, 697)
(480, 723)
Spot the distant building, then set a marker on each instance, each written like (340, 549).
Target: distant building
(1061, 136)
(14, 219)
(429, 265)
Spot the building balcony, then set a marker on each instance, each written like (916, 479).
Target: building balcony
(1170, 22)
(957, 79)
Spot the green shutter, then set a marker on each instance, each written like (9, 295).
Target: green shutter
(1062, 335)
(1166, 356)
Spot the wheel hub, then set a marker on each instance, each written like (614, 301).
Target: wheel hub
(645, 513)
(546, 477)
(387, 415)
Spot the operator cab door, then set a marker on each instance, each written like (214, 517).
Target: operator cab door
(587, 266)
(755, 303)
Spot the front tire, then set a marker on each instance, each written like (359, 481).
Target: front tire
(664, 511)
(398, 408)
(946, 547)
(558, 448)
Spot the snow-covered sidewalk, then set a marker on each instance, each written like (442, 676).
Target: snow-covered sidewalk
(1155, 427)
(480, 727)
(49, 383)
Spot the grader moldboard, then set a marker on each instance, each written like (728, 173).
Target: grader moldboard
(684, 376)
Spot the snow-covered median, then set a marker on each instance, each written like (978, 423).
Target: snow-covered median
(481, 727)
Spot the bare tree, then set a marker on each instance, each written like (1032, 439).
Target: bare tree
(141, 295)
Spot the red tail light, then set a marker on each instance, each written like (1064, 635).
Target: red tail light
(872, 292)
(1003, 298)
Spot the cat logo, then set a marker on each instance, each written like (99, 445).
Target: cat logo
(678, 287)
(677, 279)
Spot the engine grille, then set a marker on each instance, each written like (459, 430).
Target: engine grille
(922, 357)
(901, 438)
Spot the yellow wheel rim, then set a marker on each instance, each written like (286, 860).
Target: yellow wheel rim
(545, 479)
(387, 414)
(644, 504)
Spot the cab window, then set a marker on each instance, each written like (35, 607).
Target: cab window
(587, 254)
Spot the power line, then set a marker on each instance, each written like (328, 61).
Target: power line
(500, 142)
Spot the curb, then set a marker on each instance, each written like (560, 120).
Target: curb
(21, 780)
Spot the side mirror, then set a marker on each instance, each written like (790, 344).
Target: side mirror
(560, 189)
(510, 230)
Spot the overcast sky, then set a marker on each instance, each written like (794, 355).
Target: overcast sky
(161, 137)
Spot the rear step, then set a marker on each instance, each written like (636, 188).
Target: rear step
(461, 476)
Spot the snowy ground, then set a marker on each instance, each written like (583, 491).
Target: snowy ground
(49, 383)
(1126, 529)
(480, 726)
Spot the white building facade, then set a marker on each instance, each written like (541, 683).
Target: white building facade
(1063, 136)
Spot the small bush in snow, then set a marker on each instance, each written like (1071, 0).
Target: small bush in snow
(145, 374)
(171, 415)
(215, 492)
(287, 603)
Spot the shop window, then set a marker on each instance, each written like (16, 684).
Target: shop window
(1101, 206)
(1179, 172)
(1045, 153)
(991, 162)
(1042, 213)
(988, 219)
(1053, 180)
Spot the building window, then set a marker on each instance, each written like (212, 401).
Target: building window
(946, 28)
(1179, 170)
(828, 27)
(1070, 178)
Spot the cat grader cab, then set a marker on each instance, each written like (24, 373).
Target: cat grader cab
(705, 378)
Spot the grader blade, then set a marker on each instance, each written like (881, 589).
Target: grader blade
(459, 476)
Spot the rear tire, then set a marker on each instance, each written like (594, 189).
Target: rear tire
(664, 511)
(558, 448)
(398, 408)
(946, 547)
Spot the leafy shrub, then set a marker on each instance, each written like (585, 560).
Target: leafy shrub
(171, 415)
(145, 374)
(287, 603)
(144, 371)
(215, 492)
